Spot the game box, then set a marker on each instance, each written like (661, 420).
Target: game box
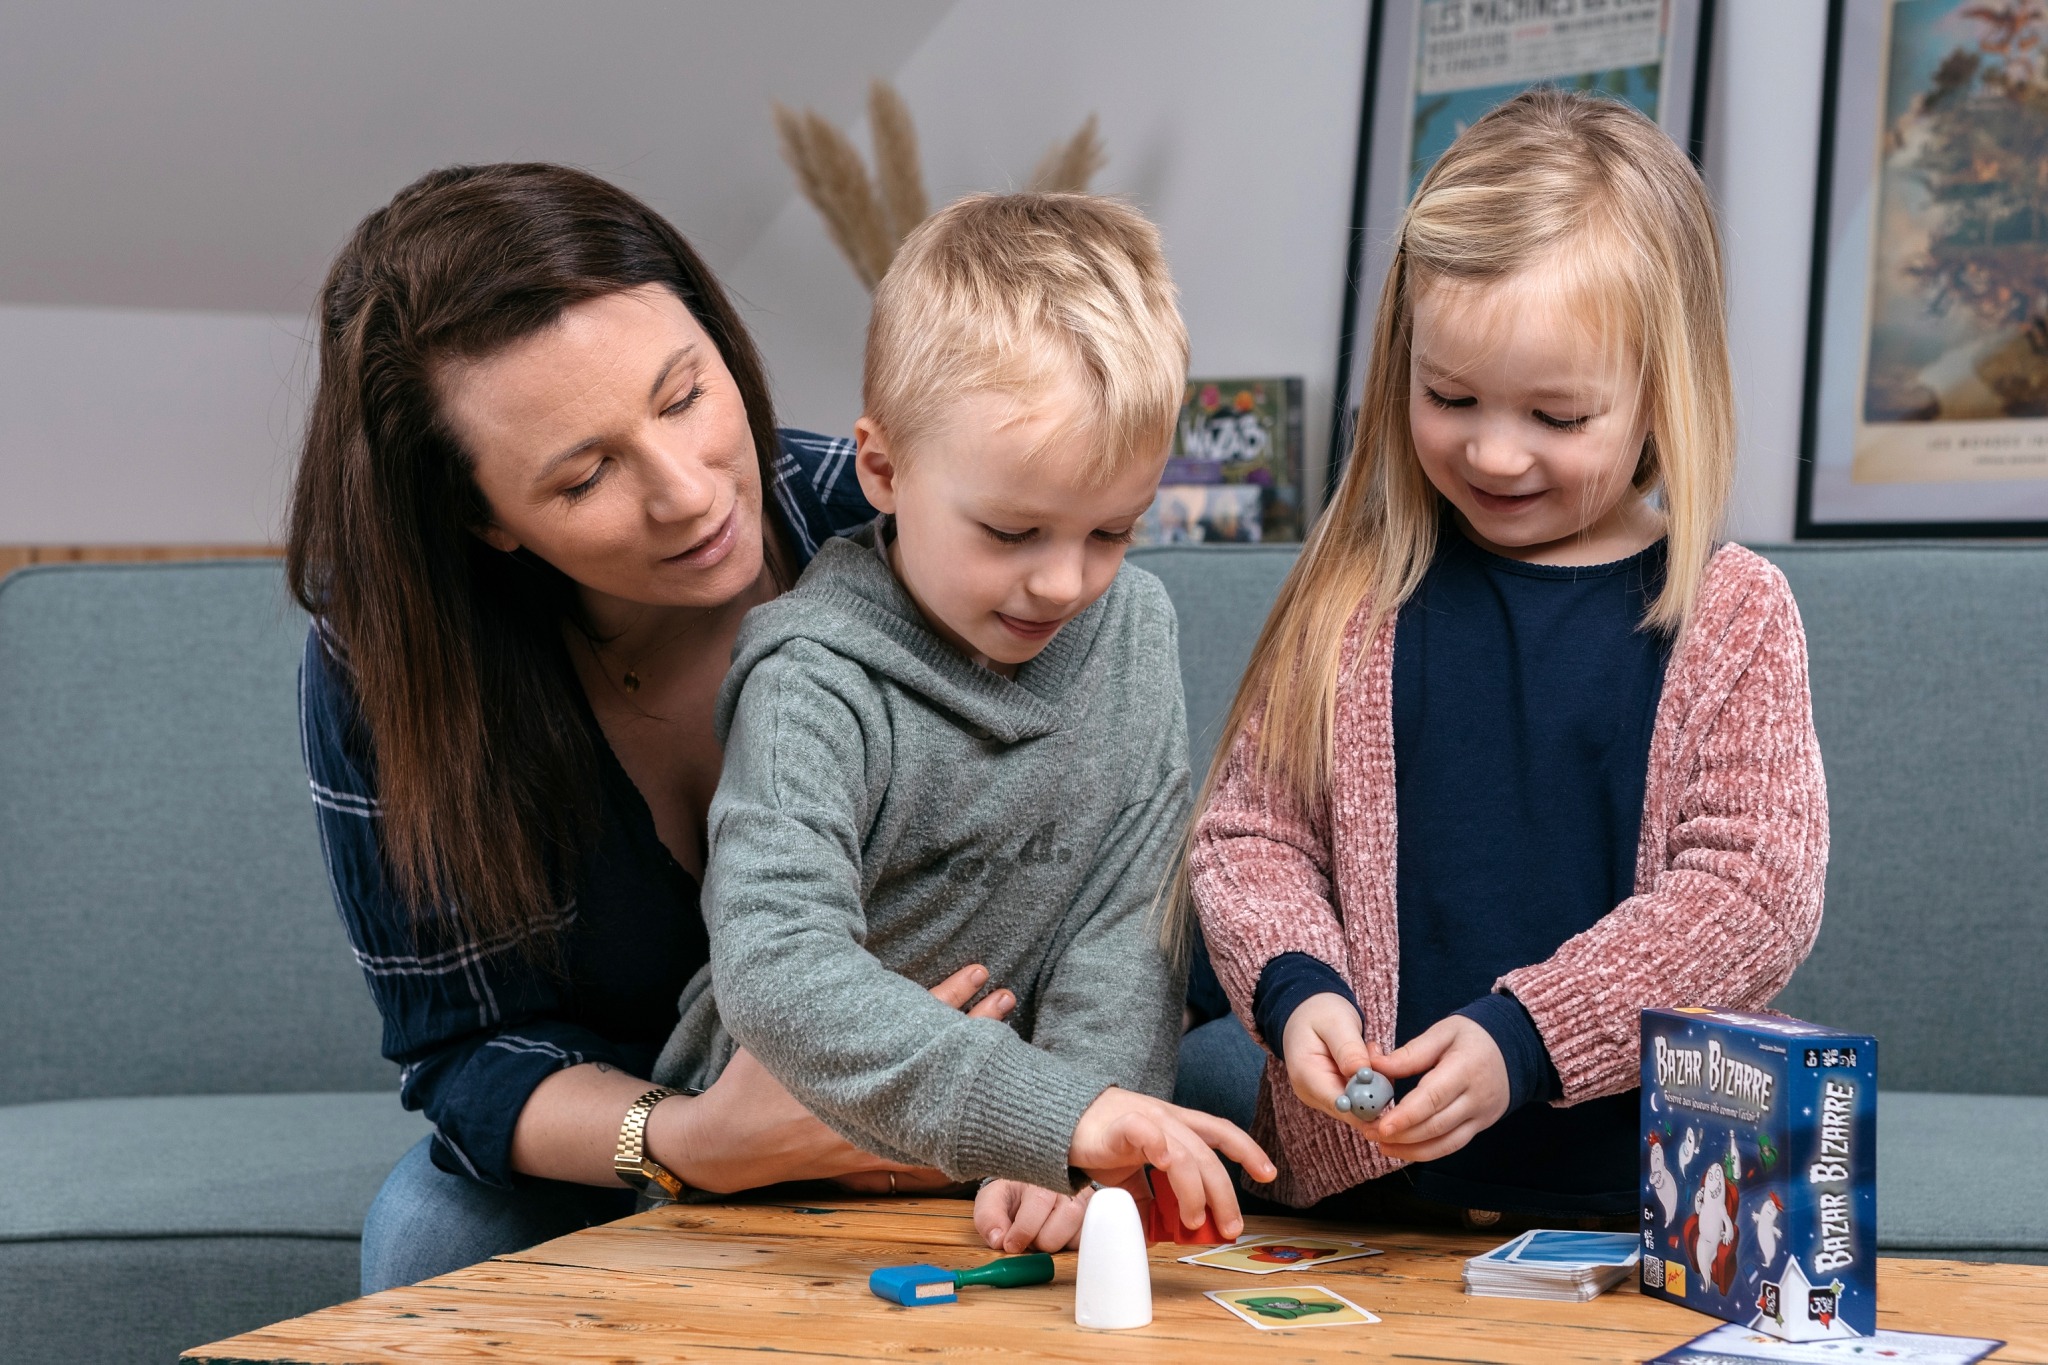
(1235, 471)
(1759, 1171)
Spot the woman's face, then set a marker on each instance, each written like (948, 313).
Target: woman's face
(615, 446)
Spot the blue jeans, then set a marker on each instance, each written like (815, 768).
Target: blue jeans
(1219, 1073)
(426, 1222)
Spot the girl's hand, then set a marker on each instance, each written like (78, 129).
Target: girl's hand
(747, 1130)
(1012, 1217)
(1323, 1047)
(1124, 1131)
(1463, 1091)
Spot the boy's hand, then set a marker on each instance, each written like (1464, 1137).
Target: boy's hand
(1012, 1217)
(1463, 1090)
(1123, 1131)
(1323, 1047)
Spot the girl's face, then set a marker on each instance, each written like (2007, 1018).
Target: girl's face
(615, 446)
(1528, 425)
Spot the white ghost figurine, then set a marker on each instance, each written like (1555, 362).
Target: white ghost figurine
(1688, 1147)
(1765, 1216)
(1717, 1228)
(1661, 1183)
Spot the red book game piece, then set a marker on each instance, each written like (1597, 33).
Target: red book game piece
(1162, 1218)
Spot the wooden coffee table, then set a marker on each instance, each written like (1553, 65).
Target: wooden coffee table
(717, 1281)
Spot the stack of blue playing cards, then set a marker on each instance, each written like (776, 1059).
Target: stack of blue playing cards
(1569, 1267)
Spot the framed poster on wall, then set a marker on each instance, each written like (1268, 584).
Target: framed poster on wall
(1434, 66)
(1927, 343)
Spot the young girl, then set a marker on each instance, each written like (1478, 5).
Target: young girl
(1521, 750)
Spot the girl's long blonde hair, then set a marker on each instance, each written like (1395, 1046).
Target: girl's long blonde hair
(1548, 175)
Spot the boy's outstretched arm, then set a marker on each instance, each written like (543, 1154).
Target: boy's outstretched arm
(866, 1049)
(1110, 998)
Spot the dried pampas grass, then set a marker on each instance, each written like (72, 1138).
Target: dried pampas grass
(1070, 165)
(868, 219)
(896, 159)
(830, 174)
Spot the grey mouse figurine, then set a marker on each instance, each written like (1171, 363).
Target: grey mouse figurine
(1366, 1095)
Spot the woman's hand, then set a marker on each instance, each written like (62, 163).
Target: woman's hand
(1323, 1049)
(1462, 1093)
(1124, 1131)
(1012, 1217)
(747, 1130)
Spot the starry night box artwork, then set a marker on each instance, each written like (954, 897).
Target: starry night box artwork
(1759, 1169)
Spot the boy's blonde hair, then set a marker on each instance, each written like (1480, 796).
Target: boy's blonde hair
(1017, 294)
(1549, 178)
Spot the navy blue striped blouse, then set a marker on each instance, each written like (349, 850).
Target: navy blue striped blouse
(474, 1025)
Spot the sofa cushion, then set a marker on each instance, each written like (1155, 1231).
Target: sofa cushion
(1222, 595)
(1927, 667)
(165, 921)
(1962, 1175)
(134, 1229)
(198, 1165)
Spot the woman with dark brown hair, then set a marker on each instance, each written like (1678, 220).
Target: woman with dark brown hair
(541, 484)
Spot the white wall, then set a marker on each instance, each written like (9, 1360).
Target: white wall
(121, 425)
(174, 179)
(177, 177)
(1762, 165)
(1236, 134)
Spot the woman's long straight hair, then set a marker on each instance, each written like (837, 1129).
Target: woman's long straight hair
(1549, 178)
(469, 702)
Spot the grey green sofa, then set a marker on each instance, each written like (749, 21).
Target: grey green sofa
(194, 1116)
(193, 1112)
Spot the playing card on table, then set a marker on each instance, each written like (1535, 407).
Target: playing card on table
(1290, 1306)
(1270, 1255)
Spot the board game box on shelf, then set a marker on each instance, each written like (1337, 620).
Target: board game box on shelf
(1235, 471)
(1759, 1171)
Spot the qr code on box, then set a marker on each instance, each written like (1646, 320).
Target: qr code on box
(1653, 1271)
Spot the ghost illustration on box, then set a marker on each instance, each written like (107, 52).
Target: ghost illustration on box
(1688, 1147)
(1661, 1183)
(1709, 1233)
(1765, 1216)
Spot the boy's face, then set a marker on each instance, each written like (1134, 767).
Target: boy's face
(1000, 540)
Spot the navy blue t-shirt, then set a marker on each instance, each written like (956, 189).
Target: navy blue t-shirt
(1524, 699)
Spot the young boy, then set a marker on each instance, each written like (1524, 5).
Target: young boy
(961, 739)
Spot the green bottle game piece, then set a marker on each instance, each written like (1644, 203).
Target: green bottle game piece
(1009, 1272)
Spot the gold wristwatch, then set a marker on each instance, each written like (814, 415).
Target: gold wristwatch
(631, 1162)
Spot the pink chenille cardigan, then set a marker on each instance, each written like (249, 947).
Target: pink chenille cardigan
(1729, 867)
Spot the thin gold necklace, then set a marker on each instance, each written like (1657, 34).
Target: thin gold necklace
(630, 679)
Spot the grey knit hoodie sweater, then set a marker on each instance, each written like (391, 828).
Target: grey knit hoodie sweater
(891, 812)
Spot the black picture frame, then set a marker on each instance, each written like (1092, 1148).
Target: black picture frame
(1381, 171)
(1851, 124)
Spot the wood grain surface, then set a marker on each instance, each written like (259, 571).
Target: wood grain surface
(716, 1281)
(15, 556)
